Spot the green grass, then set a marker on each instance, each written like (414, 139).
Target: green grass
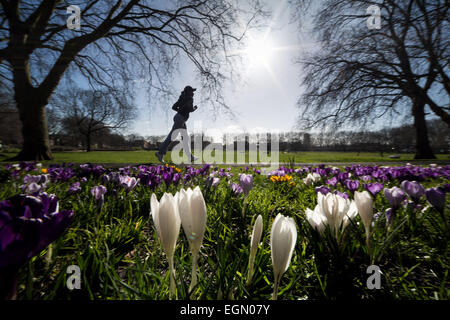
(137, 157)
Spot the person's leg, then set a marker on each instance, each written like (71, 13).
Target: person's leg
(178, 123)
(187, 146)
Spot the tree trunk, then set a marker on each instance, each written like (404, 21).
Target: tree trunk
(88, 142)
(34, 131)
(423, 149)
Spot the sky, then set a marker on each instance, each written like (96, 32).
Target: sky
(265, 101)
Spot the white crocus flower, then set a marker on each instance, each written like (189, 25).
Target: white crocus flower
(316, 219)
(309, 179)
(312, 178)
(332, 210)
(192, 210)
(254, 242)
(283, 237)
(167, 222)
(364, 203)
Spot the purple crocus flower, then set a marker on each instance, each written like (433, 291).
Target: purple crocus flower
(32, 188)
(414, 189)
(31, 179)
(98, 192)
(74, 188)
(176, 179)
(351, 185)
(394, 196)
(167, 177)
(390, 213)
(436, 197)
(246, 183)
(333, 181)
(341, 194)
(322, 189)
(343, 176)
(128, 182)
(374, 188)
(105, 179)
(28, 224)
(236, 188)
(212, 181)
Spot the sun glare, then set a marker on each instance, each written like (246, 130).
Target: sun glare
(259, 52)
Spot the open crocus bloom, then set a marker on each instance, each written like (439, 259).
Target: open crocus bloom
(312, 178)
(332, 210)
(128, 182)
(28, 224)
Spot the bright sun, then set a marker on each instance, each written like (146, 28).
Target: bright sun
(259, 51)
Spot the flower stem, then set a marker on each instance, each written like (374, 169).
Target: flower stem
(369, 248)
(275, 288)
(49, 254)
(244, 206)
(194, 272)
(172, 278)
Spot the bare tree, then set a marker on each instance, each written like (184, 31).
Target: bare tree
(92, 112)
(119, 43)
(360, 75)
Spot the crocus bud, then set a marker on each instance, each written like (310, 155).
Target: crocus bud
(394, 196)
(414, 189)
(99, 192)
(364, 203)
(254, 242)
(390, 213)
(246, 183)
(283, 237)
(192, 209)
(167, 222)
(436, 197)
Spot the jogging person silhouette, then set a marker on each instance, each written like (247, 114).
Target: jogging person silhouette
(183, 106)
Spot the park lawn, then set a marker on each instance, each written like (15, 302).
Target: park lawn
(138, 157)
